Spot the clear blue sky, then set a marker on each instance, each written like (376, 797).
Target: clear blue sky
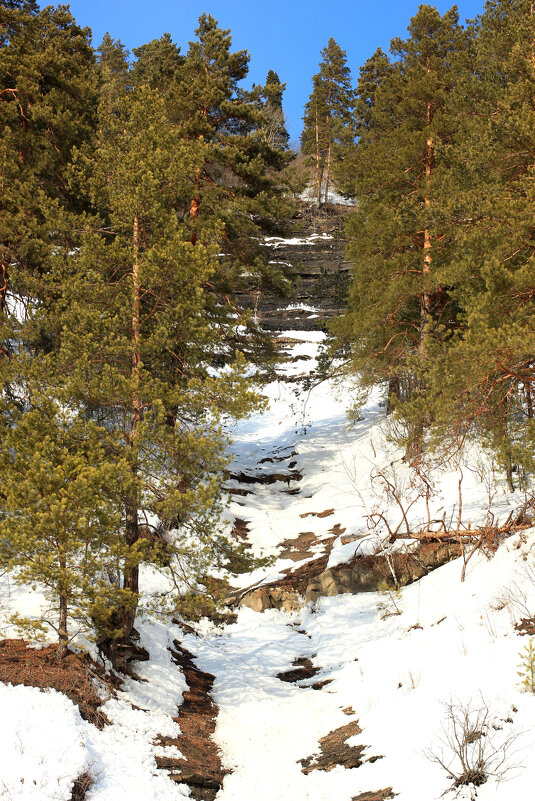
(283, 35)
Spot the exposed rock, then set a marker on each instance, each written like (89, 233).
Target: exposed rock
(313, 580)
(371, 573)
(319, 269)
(272, 598)
(266, 478)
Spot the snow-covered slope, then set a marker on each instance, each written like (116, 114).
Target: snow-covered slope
(393, 671)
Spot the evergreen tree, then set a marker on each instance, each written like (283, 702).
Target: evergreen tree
(113, 70)
(275, 130)
(47, 104)
(157, 64)
(487, 373)
(136, 345)
(236, 190)
(398, 296)
(59, 518)
(328, 123)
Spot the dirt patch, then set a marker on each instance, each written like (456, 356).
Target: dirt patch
(326, 513)
(336, 530)
(526, 626)
(377, 795)
(74, 676)
(80, 787)
(240, 532)
(299, 547)
(201, 767)
(334, 751)
(303, 669)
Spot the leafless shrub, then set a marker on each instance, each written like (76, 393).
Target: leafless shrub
(474, 747)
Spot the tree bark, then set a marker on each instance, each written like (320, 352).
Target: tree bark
(131, 575)
(63, 637)
(3, 281)
(328, 173)
(318, 171)
(425, 299)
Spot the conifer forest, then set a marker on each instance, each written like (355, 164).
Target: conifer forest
(254, 388)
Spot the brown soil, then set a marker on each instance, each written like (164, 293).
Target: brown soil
(240, 532)
(304, 669)
(335, 751)
(298, 548)
(526, 626)
(378, 795)
(201, 767)
(73, 676)
(80, 787)
(326, 513)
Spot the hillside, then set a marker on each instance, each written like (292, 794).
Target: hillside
(330, 692)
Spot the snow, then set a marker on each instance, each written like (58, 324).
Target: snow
(42, 744)
(452, 643)
(278, 242)
(45, 742)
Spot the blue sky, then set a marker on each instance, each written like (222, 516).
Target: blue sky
(280, 35)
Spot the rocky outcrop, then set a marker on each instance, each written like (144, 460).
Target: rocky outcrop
(319, 270)
(362, 574)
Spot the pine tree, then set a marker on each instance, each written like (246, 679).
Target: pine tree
(488, 371)
(157, 64)
(47, 104)
(136, 346)
(113, 71)
(236, 192)
(59, 518)
(398, 298)
(275, 130)
(328, 123)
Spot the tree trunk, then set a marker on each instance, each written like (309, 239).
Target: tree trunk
(529, 400)
(195, 203)
(3, 281)
(394, 393)
(425, 299)
(318, 171)
(63, 637)
(328, 173)
(131, 575)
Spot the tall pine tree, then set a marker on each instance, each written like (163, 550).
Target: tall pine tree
(328, 121)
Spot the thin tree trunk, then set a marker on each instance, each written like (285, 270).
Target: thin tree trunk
(131, 575)
(195, 203)
(394, 392)
(63, 637)
(3, 281)
(318, 171)
(529, 400)
(328, 173)
(425, 299)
